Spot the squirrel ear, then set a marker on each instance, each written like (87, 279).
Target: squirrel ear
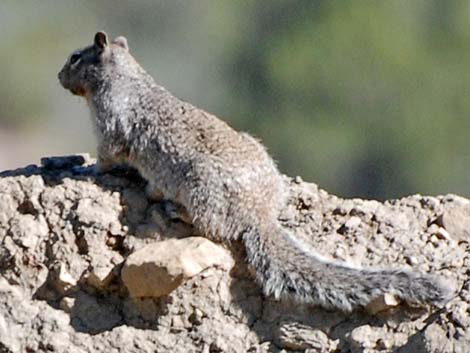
(101, 40)
(122, 42)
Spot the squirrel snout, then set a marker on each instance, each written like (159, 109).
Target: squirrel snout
(60, 76)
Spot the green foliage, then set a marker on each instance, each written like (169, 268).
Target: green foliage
(366, 98)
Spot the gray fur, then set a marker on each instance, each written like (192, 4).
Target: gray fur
(226, 180)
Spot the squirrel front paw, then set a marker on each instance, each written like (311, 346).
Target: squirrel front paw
(176, 212)
(101, 169)
(103, 165)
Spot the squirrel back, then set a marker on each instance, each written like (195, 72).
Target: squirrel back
(227, 182)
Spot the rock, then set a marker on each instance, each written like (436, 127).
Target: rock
(66, 232)
(158, 268)
(91, 314)
(99, 212)
(196, 317)
(28, 230)
(178, 324)
(66, 304)
(64, 162)
(366, 338)
(434, 340)
(456, 221)
(300, 337)
(350, 225)
(461, 314)
(99, 277)
(64, 278)
(382, 303)
(353, 222)
(362, 337)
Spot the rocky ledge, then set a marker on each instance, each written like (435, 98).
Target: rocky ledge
(89, 264)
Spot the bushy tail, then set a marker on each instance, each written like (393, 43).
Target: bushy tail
(287, 268)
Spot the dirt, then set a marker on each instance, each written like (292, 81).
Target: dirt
(65, 233)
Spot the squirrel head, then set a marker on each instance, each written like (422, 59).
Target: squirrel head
(88, 68)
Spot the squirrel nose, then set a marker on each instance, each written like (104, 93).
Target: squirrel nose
(61, 77)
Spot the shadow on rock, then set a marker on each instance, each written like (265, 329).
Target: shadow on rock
(65, 233)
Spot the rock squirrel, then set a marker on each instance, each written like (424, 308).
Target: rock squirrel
(227, 182)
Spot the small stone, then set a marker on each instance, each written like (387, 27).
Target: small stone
(218, 346)
(459, 201)
(115, 228)
(456, 221)
(66, 277)
(29, 230)
(178, 324)
(353, 222)
(443, 234)
(297, 336)
(340, 253)
(196, 317)
(384, 344)
(411, 260)
(430, 202)
(66, 304)
(298, 179)
(62, 280)
(436, 340)
(363, 337)
(357, 211)
(461, 314)
(102, 213)
(339, 211)
(158, 268)
(434, 240)
(111, 241)
(382, 303)
(64, 162)
(99, 277)
(433, 228)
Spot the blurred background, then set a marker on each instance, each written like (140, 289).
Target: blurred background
(365, 98)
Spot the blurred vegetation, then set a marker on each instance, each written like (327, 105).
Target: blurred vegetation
(366, 98)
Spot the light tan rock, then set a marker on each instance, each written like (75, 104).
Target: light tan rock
(301, 337)
(66, 304)
(158, 268)
(56, 260)
(456, 221)
(434, 340)
(382, 303)
(28, 230)
(363, 337)
(353, 222)
(99, 277)
(100, 212)
(65, 278)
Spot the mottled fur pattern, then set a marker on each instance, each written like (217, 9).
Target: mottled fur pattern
(226, 180)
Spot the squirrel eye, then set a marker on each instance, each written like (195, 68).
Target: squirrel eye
(75, 57)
